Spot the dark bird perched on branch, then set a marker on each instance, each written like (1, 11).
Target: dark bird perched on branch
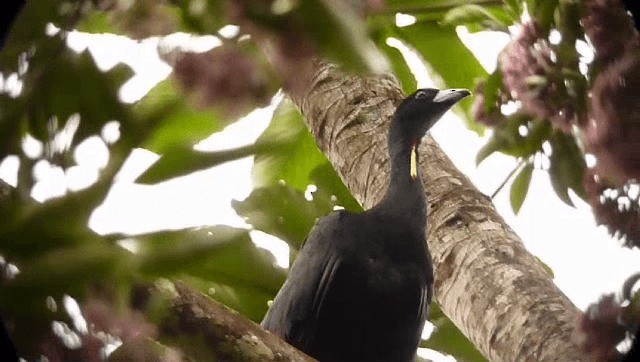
(361, 286)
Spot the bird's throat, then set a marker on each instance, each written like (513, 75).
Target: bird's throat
(413, 168)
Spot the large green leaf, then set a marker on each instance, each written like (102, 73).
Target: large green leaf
(472, 14)
(508, 140)
(427, 6)
(543, 12)
(197, 16)
(451, 63)
(66, 270)
(241, 264)
(567, 167)
(220, 260)
(36, 228)
(329, 183)
(27, 30)
(292, 156)
(181, 161)
(170, 121)
(341, 35)
(72, 83)
(297, 156)
(250, 302)
(520, 187)
(61, 83)
(283, 211)
(448, 339)
(383, 29)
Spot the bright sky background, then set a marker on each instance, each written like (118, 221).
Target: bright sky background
(585, 260)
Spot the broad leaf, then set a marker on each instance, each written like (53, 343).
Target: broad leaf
(170, 121)
(508, 140)
(494, 144)
(543, 12)
(452, 64)
(341, 35)
(384, 29)
(66, 270)
(520, 187)
(567, 167)
(491, 90)
(448, 339)
(252, 303)
(180, 161)
(476, 14)
(27, 30)
(220, 260)
(283, 211)
(295, 158)
(241, 264)
(37, 228)
(328, 182)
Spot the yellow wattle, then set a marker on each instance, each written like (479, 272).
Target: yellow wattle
(414, 163)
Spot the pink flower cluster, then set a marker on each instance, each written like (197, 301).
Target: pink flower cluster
(530, 75)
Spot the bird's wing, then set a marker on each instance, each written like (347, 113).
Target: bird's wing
(294, 311)
(426, 294)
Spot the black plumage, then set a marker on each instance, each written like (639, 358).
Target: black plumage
(361, 286)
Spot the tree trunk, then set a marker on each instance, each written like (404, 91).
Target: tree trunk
(497, 293)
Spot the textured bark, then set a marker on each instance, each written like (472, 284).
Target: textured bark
(205, 330)
(497, 293)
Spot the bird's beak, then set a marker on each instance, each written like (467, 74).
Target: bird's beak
(450, 96)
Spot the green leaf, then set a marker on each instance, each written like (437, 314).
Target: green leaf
(424, 7)
(474, 14)
(296, 156)
(56, 74)
(543, 11)
(520, 187)
(328, 182)
(494, 144)
(383, 29)
(36, 228)
(514, 8)
(341, 36)
(27, 30)
(198, 19)
(507, 139)
(171, 121)
(451, 63)
(283, 211)
(210, 258)
(448, 339)
(240, 264)
(545, 266)
(250, 302)
(180, 161)
(97, 22)
(567, 167)
(68, 270)
(492, 89)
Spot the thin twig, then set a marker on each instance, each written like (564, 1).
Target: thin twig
(509, 176)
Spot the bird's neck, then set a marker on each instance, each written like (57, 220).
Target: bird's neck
(405, 194)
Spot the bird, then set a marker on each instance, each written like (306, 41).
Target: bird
(361, 285)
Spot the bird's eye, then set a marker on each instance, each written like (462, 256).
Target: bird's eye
(421, 94)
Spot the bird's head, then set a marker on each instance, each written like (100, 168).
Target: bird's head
(417, 113)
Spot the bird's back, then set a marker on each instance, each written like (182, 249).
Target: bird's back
(359, 290)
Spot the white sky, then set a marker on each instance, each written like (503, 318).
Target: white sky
(585, 260)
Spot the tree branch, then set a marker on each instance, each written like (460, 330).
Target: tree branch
(208, 330)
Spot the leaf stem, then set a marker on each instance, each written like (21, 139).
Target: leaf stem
(443, 5)
(520, 164)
